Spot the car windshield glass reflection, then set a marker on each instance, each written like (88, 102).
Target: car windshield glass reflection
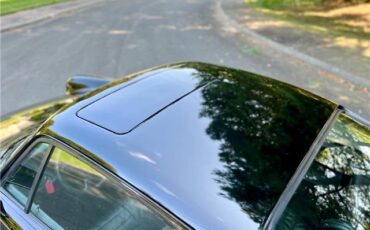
(74, 195)
(335, 191)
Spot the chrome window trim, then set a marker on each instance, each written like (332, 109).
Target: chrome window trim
(301, 171)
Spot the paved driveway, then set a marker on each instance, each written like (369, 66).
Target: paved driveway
(118, 37)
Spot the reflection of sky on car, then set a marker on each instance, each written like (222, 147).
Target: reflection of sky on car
(199, 181)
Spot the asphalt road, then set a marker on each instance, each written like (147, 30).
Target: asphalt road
(119, 37)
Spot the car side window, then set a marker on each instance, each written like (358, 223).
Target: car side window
(20, 181)
(335, 192)
(73, 194)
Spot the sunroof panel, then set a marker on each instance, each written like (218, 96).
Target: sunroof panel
(123, 110)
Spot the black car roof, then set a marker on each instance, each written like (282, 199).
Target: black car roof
(217, 153)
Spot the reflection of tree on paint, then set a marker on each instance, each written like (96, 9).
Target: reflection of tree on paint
(336, 189)
(16, 128)
(23, 123)
(265, 128)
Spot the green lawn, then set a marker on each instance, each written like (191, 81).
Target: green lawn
(12, 6)
(348, 20)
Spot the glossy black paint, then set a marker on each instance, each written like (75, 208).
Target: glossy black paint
(126, 108)
(219, 157)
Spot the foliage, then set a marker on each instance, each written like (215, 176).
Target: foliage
(12, 6)
(336, 189)
(302, 3)
(265, 127)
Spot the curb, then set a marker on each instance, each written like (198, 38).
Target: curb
(219, 11)
(24, 18)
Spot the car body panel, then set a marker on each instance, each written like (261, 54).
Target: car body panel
(219, 157)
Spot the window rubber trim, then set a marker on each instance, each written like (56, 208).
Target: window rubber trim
(301, 171)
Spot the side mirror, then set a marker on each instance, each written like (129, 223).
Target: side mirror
(78, 85)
